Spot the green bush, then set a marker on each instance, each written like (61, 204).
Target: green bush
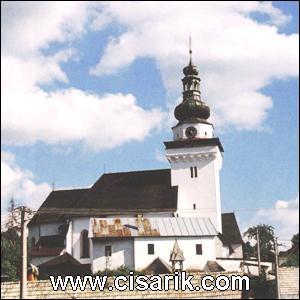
(261, 288)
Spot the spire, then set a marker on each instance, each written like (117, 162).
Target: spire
(190, 69)
(190, 51)
(176, 257)
(192, 108)
(176, 254)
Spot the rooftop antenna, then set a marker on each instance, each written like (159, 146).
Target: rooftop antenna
(53, 185)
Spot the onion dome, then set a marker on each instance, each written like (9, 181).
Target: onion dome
(192, 108)
(190, 69)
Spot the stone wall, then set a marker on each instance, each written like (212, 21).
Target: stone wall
(289, 282)
(43, 290)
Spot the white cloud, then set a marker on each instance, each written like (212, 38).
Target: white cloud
(275, 14)
(73, 115)
(27, 27)
(237, 56)
(31, 114)
(284, 217)
(20, 184)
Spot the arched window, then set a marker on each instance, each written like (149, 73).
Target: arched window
(84, 244)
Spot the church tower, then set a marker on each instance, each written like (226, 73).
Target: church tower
(195, 154)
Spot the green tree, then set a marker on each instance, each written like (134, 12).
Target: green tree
(11, 243)
(293, 256)
(266, 240)
(249, 251)
(295, 240)
(10, 254)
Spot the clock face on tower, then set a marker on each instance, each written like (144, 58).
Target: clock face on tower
(191, 132)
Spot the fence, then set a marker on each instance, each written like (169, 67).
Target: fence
(43, 290)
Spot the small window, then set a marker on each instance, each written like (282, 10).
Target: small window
(198, 249)
(205, 133)
(150, 249)
(194, 206)
(196, 171)
(192, 172)
(107, 250)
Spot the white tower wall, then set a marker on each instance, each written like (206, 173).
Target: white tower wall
(197, 196)
(204, 131)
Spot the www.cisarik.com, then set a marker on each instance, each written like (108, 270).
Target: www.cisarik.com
(178, 281)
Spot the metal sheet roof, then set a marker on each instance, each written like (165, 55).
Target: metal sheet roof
(142, 226)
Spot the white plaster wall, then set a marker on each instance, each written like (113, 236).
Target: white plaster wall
(203, 131)
(236, 265)
(225, 252)
(122, 254)
(238, 251)
(79, 224)
(219, 247)
(164, 245)
(204, 190)
(43, 230)
(230, 265)
(69, 238)
(50, 228)
(253, 270)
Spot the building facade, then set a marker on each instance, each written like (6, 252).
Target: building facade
(134, 218)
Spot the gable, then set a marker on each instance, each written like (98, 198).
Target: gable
(230, 229)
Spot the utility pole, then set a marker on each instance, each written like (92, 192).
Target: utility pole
(258, 251)
(276, 268)
(23, 282)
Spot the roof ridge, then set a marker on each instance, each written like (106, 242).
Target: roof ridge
(71, 189)
(137, 171)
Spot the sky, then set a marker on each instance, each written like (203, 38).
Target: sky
(91, 87)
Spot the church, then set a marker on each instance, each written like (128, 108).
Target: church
(164, 219)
